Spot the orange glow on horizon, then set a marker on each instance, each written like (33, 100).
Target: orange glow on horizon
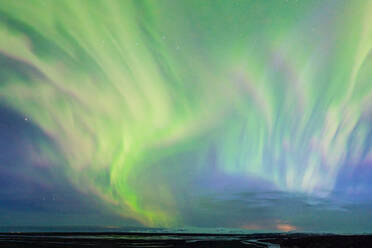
(285, 227)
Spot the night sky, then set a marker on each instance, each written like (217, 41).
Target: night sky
(200, 114)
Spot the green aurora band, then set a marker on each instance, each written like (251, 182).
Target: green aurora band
(137, 95)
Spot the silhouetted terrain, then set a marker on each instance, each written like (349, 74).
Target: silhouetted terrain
(59, 240)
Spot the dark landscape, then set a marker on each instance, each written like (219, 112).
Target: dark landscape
(86, 239)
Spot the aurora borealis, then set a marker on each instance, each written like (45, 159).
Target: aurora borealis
(239, 114)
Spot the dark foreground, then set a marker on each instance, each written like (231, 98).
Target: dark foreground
(67, 240)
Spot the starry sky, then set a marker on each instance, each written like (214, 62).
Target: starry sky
(204, 114)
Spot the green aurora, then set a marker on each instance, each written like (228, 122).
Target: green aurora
(141, 98)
